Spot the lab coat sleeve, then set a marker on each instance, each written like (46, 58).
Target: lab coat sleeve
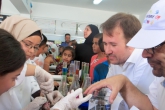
(21, 77)
(34, 84)
(35, 89)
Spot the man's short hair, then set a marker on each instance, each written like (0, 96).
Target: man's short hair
(67, 34)
(128, 23)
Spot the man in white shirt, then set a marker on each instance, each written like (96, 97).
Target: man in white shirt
(151, 38)
(117, 31)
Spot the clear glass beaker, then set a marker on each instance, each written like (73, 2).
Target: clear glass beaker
(75, 83)
(99, 101)
(86, 83)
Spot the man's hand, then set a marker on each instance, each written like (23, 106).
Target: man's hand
(115, 84)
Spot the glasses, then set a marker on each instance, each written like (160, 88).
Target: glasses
(30, 46)
(152, 50)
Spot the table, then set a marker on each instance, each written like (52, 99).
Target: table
(52, 68)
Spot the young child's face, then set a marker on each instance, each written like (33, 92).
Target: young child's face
(41, 50)
(70, 43)
(95, 46)
(67, 56)
(61, 49)
(46, 49)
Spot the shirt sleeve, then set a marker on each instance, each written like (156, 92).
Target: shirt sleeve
(95, 75)
(21, 77)
(140, 75)
(153, 95)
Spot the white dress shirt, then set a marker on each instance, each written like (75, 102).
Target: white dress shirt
(137, 69)
(157, 93)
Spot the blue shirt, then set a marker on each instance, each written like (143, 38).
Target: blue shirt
(64, 44)
(100, 71)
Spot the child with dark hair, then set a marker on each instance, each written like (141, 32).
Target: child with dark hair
(61, 48)
(39, 59)
(68, 55)
(100, 55)
(73, 43)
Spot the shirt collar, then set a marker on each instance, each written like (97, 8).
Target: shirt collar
(133, 58)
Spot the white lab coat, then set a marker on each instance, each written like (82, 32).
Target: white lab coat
(39, 60)
(19, 96)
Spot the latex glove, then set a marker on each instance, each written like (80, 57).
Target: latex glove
(54, 97)
(44, 80)
(36, 104)
(72, 100)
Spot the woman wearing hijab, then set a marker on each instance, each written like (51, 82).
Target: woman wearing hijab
(20, 28)
(29, 35)
(54, 50)
(84, 51)
(10, 68)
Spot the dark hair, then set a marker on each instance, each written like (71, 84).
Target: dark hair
(95, 30)
(12, 56)
(71, 50)
(67, 34)
(128, 23)
(43, 42)
(61, 47)
(100, 35)
(36, 33)
(101, 45)
(74, 42)
(60, 53)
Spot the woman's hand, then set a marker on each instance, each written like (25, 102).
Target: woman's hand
(72, 100)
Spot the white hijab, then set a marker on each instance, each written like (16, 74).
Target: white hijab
(54, 46)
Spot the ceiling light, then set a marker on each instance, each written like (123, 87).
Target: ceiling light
(96, 2)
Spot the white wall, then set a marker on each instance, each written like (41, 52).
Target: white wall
(25, 15)
(60, 12)
(8, 8)
(142, 16)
